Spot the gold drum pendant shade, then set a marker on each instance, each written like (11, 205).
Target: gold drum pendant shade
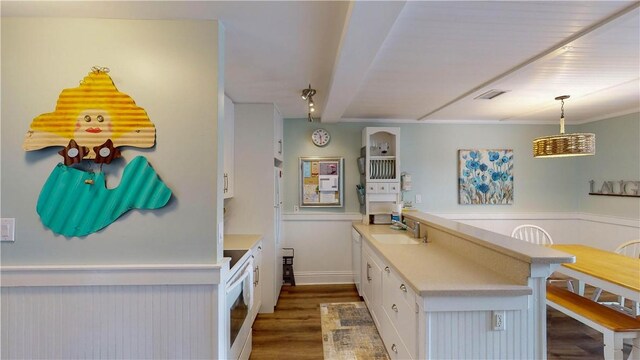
(562, 145)
(577, 144)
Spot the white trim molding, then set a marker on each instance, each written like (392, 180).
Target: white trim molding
(511, 216)
(613, 220)
(307, 216)
(98, 275)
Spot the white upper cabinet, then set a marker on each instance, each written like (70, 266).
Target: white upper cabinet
(379, 166)
(229, 132)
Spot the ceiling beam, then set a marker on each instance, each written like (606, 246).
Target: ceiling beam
(366, 27)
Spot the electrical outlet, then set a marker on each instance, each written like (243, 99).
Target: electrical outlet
(498, 320)
(296, 208)
(7, 229)
(418, 199)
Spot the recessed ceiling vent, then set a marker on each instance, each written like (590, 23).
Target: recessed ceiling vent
(489, 95)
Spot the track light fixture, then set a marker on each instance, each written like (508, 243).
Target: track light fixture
(307, 94)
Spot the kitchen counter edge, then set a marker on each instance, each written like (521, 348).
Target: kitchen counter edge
(240, 241)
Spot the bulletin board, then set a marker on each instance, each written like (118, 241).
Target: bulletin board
(321, 182)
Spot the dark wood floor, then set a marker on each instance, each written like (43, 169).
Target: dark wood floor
(293, 331)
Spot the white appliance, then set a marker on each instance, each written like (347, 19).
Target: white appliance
(239, 303)
(356, 251)
(277, 223)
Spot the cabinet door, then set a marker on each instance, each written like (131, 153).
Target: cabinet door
(229, 133)
(257, 285)
(278, 144)
(372, 285)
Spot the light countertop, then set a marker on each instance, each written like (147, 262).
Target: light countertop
(432, 270)
(240, 241)
(506, 245)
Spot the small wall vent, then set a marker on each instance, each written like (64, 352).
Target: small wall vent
(489, 95)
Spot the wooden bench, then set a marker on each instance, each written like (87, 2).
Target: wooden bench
(614, 326)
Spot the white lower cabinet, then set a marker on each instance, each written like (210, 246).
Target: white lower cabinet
(372, 283)
(392, 304)
(392, 340)
(399, 304)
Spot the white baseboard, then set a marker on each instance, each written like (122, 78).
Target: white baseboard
(323, 277)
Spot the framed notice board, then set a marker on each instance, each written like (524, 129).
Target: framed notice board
(321, 181)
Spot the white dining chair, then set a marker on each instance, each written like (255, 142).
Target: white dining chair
(533, 234)
(539, 236)
(630, 249)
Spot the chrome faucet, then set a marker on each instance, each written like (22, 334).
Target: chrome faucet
(398, 223)
(415, 229)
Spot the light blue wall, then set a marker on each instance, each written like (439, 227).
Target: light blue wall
(617, 158)
(174, 80)
(345, 142)
(429, 152)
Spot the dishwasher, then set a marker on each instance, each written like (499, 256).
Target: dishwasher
(356, 253)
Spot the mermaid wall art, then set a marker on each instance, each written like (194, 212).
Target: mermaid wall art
(91, 122)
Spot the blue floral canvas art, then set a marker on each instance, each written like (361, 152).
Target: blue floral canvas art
(486, 176)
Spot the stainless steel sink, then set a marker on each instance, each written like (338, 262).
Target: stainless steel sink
(395, 239)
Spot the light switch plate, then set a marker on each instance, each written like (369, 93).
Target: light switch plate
(418, 199)
(7, 229)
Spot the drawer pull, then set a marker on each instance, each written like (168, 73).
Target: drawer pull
(403, 288)
(394, 307)
(394, 348)
(386, 268)
(368, 276)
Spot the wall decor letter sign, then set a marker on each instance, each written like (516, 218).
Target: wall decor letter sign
(616, 188)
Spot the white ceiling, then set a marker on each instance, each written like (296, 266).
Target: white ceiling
(414, 61)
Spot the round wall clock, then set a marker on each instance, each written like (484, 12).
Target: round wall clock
(320, 137)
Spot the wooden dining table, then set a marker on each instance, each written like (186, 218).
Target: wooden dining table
(614, 273)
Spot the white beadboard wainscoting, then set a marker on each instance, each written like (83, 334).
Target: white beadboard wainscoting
(113, 312)
(322, 244)
(447, 332)
(322, 241)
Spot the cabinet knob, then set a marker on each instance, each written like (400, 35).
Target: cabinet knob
(394, 348)
(394, 307)
(259, 247)
(386, 268)
(403, 288)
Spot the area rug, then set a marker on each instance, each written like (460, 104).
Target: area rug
(348, 332)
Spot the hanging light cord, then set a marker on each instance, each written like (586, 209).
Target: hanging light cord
(562, 116)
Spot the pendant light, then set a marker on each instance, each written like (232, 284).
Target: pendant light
(307, 94)
(563, 145)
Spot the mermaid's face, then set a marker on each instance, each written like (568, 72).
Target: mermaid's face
(94, 123)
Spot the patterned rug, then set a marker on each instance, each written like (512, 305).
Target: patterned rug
(348, 332)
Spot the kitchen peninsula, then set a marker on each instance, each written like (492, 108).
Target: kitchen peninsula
(465, 293)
